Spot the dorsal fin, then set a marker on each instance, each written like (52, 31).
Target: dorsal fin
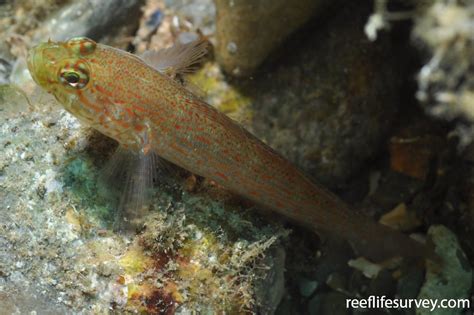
(178, 59)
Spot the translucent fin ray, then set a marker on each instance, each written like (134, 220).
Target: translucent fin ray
(178, 59)
(128, 180)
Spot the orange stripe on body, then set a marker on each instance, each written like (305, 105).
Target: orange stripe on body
(177, 148)
(103, 90)
(139, 108)
(202, 139)
(221, 175)
(87, 103)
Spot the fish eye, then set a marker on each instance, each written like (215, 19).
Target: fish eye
(71, 77)
(74, 78)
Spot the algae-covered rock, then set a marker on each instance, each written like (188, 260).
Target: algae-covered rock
(248, 30)
(453, 280)
(268, 300)
(227, 98)
(193, 253)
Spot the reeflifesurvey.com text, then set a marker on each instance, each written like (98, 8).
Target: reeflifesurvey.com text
(382, 302)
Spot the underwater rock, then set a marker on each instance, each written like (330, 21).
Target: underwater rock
(268, 300)
(401, 218)
(306, 286)
(155, 25)
(336, 254)
(454, 279)
(388, 190)
(328, 303)
(314, 305)
(247, 30)
(17, 299)
(199, 13)
(383, 284)
(328, 105)
(6, 64)
(414, 147)
(369, 269)
(410, 282)
(91, 18)
(337, 282)
(166, 22)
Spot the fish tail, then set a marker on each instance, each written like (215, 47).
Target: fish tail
(368, 238)
(381, 243)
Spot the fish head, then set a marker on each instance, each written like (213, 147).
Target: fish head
(63, 68)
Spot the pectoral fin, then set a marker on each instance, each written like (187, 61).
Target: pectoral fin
(128, 180)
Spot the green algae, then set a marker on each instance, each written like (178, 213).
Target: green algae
(80, 177)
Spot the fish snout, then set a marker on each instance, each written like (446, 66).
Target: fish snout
(41, 65)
